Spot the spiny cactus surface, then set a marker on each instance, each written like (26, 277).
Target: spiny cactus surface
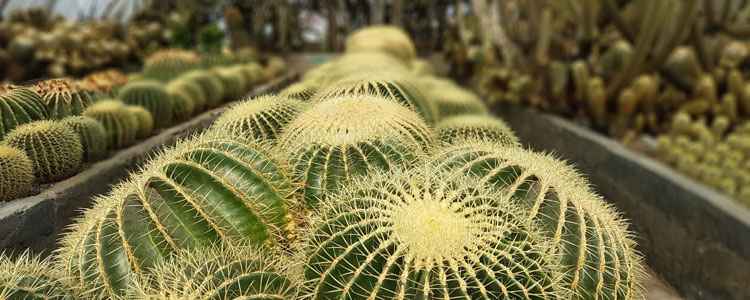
(182, 102)
(28, 277)
(19, 105)
(475, 126)
(301, 90)
(262, 118)
(453, 101)
(16, 173)
(120, 124)
(62, 98)
(92, 135)
(152, 96)
(167, 64)
(213, 91)
(54, 149)
(188, 86)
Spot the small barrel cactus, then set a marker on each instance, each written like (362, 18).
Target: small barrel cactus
(302, 90)
(16, 174)
(338, 139)
(223, 272)
(213, 91)
(183, 106)
(262, 118)
(145, 121)
(453, 101)
(165, 65)
(107, 83)
(152, 96)
(62, 98)
(19, 105)
(120, 123)
(195, 91)
(234, 83)
(475, 126)
(54, 149)
(387, 39)
(202, 191)
(29, 277)
(427, 234)
(594, 245)
(92, 135)
(392, 86)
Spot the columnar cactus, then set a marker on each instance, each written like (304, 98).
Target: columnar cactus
(392, 86)
(213, 91)
(592, 241)
(54, 149)
(153, 97)
(165, 65)
(120, 124)
(30, 277)
(19, 105)
(225, 272)
(341, 138)
(475, 126)
(62, 98)
(427, 234)
(144, 118)
(262, 118)
(202, 191)
(16, 174)
(92, 135)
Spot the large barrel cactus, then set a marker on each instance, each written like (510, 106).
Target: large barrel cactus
(221, 272)
(213, 90)
(62, 98)
(592, 241)
(191, 88)
(428, 234)
(387, 39)
(167, 64)
(54, 149)
(202, 191)
(475, 126)
(453, 101)
(182, 103)
(121, 125)
(144, 118)
(29, 277)
(341, 138)
(19, 105)
(16, 173)
(92, 135)
(302, 90)
(262, 118)
(233, 81)
(152, 96)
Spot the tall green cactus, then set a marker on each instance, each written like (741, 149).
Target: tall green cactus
(428, 234)
(221, 272)
(19, 105)
(475, 126)
(202, 191)
(54, 149)
(592, 241)
(152, 96)
(92, 135)
(262, 118)
(341, 138)
(16, 174)
(29, 277)
(120, 124)
(62, 98)
(211, 86)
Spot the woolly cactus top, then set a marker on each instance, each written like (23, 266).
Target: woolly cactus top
(104, 81)
(63, 88)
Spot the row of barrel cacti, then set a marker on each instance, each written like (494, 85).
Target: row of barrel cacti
(51, 128)
(371, 178)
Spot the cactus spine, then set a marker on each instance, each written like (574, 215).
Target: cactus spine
(119, 122)
(19, 105)
(427, 234)
(30, 277)
(16, 174)
(342, 138)
(299, 90)
(262, 118)
(92, 135)
(475, 126)
(54, 149)
(595, 247)
(152, 96)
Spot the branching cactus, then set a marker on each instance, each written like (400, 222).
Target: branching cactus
(202, 191)
(152, 96)
(31, 277)
(262, 118)
(62, 98)
(211, 86)
(19, 105)
(92, 135)
(392, 86)
(120, 124)
(595, 248)
(167, 64)
(16, 174)
(301, 90)
(220, 272)
(475, 126)
(54, 149)
(339, 139)
(428, 234)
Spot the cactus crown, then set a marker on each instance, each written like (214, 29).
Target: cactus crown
(166, 64)
(120, 124)
(108, 81)
(425, 233)
(301, 90)
(388, 39)
(264, 117)
(92, 134)
(31, 277)
(63, 98)
(19, 105)
(16, 173)
(54, 149)
(475, 126)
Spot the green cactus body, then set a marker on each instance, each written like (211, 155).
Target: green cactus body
(182, 102)
(275, 67)
(120, 124)
(616, 58)
(262, 118)
(580, 71)
(92, 135)
(391, 86)
(19, 105)
(22, 49)
(62, 98)
(683, 65)
(152, 96)
(597, 101)
(382, 38)
(559, 80)
(427, 234)
(145, 121)
(167, 64)
(204, 190)
(192, 89)
(211, 86)
(28, 277)
(475, 126)
(54, 149)
(222, 272)
(254, 72)
(342, 138)
(16, 174)
(302, 90)
(706, 89)
(233, 83)
(596, 250)
(455, 101)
